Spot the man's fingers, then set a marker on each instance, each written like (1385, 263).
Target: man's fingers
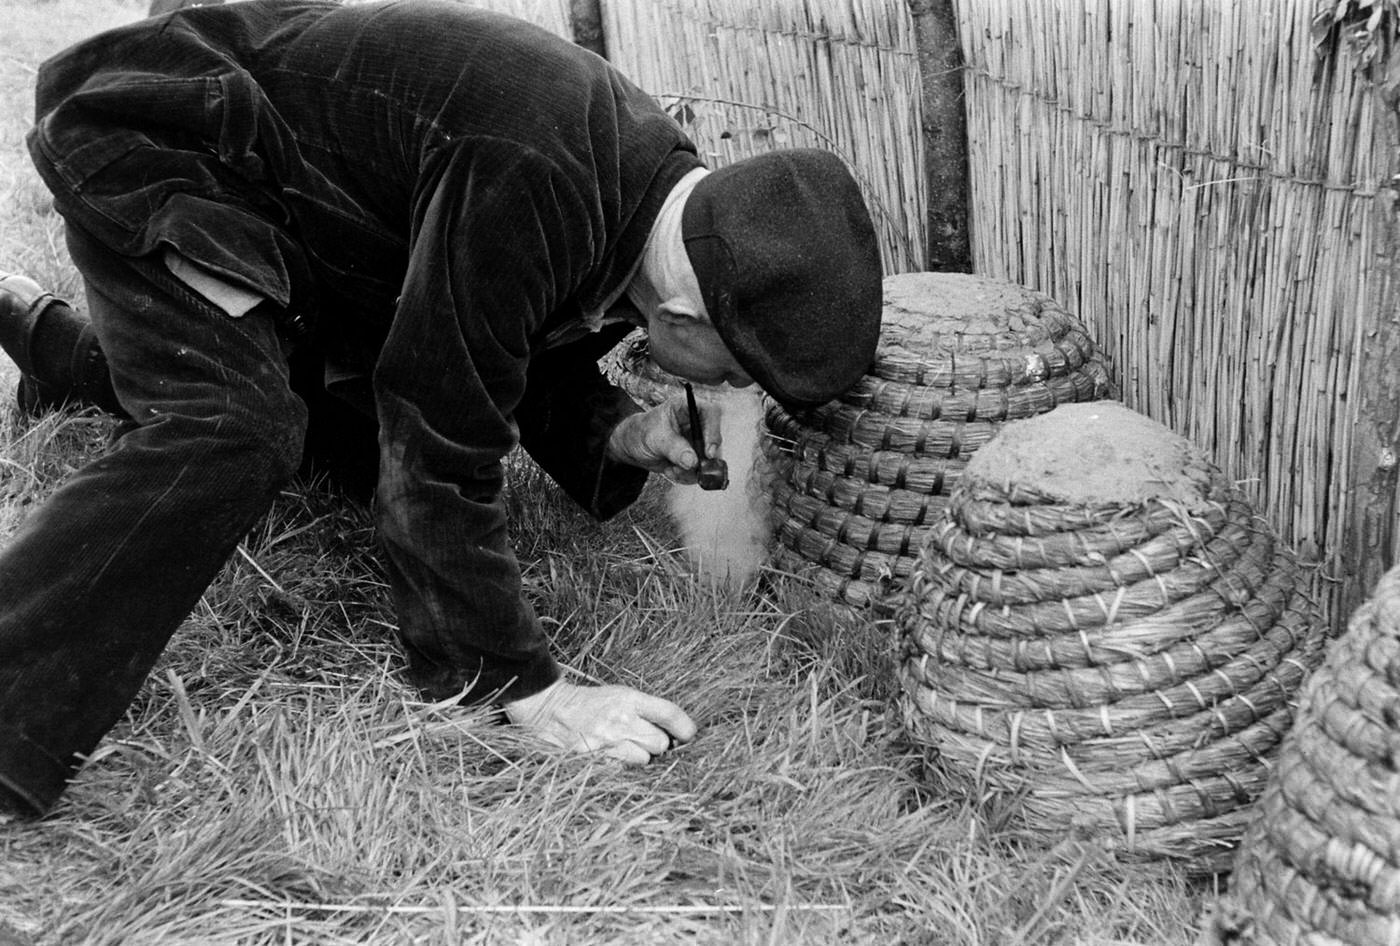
(617, 721)
(628, 752)
(667, 441)
(667, 715)
(648, 737)
(710, 414)
(680, 459)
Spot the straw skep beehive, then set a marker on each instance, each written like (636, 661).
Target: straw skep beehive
(629, 367)
(1320, 862)
(1214, 215)
(1100, 624)
(864, 477)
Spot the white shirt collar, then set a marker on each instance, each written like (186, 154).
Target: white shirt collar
(665, 274)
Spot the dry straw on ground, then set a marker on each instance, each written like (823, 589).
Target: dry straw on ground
(862, 479)
(276, 782)
(1202, 188)
(1321, 862)
(1100, 627)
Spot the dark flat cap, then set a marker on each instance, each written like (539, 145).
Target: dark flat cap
(785, 254)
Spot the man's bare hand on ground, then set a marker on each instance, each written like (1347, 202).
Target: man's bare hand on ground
(618, 721)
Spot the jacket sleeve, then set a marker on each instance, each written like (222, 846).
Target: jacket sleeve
(568, 413)
(497, 237)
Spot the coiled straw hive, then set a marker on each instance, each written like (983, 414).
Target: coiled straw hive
(1320, 863)
(629, 366)
(863, 478)
(1100, 625)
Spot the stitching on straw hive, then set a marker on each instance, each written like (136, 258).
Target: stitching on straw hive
(1320, 862)
(1100, 624)
(863, 477)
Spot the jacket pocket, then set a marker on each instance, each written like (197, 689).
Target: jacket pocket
(113, 115)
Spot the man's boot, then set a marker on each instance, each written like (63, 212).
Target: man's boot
(54, 347)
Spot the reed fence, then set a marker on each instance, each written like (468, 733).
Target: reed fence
(1203, 190)
(1193, 179)
(745, 77)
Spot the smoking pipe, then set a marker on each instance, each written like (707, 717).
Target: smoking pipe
(714, 474)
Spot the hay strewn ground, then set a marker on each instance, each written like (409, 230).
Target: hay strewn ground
(276, 783)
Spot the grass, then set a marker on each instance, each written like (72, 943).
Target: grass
(276, 781)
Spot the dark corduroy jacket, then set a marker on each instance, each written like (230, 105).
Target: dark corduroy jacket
(445, 192)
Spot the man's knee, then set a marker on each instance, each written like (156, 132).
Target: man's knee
(249, 441)
(267, 432)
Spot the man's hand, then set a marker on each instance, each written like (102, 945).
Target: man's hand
(658, 440)
(618, 721)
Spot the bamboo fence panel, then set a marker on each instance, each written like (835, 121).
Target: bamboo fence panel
(744, 78)
(1192, 180)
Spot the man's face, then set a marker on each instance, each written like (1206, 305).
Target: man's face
(687, 345)
(681, 338)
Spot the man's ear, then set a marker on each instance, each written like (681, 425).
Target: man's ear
(680, 314)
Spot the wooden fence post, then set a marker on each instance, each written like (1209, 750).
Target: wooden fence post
(586, 25)
(1373, 542)
(945, 134)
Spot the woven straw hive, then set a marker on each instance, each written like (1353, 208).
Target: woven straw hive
(1099, 623)
(630, 367)
(1320, 863)
(863, 477)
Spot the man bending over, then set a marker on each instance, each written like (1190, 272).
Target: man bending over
(399, 231)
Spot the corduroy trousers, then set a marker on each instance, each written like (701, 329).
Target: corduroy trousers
(98, 578)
